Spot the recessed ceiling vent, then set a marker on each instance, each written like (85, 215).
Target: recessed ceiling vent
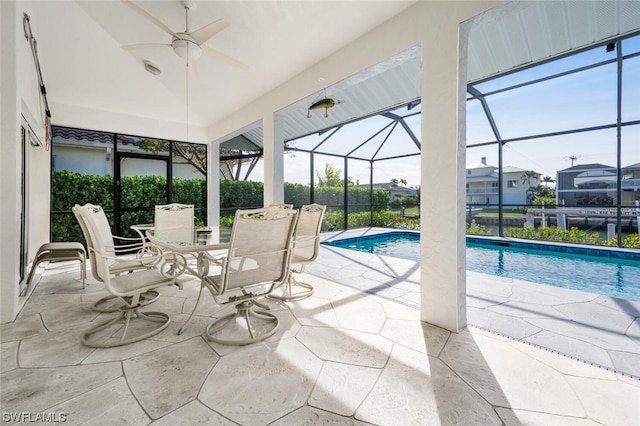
(152, 68)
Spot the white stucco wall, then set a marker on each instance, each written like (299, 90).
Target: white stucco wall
(9, 134)
(90, 161)
(97, 161)
(19, 91)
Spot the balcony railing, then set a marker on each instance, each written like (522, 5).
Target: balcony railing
(626, 184)
(482, 190)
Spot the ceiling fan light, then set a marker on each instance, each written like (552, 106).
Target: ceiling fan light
(186, 49)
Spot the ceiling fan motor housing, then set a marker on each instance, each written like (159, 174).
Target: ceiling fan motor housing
(186, 44)
(186, 47)
(189, 4)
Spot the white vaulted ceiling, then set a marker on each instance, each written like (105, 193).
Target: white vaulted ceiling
(79, 43)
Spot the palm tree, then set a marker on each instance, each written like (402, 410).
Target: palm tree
(332, 177)
(547, 180)
(527, 179)
(528, 176)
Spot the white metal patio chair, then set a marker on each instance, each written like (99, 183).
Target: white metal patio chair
(158, 271)
(283, 206)
(256, 262)
(124, 257)
(306, 246)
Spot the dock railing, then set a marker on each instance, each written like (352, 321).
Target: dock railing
(564, 213)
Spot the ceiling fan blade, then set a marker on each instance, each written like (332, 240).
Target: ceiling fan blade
(149, 17)
(145, 46)
(214, 54)
(205, 33)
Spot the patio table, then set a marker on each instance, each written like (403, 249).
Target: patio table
(203, 242)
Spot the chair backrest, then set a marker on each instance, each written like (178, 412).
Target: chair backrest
(307, 234)
(260, 248)
(274, 210)
(174, 222)
(87, 238)
(97, 233)
(280, 206)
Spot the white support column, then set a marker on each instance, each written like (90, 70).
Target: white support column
(213, 186)
(442, 204)
(273, 142)
(9, 163)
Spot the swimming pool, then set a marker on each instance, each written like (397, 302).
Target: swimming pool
(601, 271)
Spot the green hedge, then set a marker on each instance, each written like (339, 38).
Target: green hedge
(247, 194)
(404, 201)
(69, 188)
(573, 235)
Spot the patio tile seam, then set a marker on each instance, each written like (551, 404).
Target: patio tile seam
(621, 373)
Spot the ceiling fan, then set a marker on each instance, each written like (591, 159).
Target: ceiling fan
(188, 45)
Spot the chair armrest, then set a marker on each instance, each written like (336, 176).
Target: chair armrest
(205, 260)
(128, 245)
(139, 239)
(126, 241)
(172, 265)
(169, 264)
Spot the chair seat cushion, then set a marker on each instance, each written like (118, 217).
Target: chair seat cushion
(127, 284)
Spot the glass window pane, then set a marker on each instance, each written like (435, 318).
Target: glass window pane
(189, 178)
(82, 151)
(81, 172)
(142, 145)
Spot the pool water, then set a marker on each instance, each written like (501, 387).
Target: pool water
(601, 275)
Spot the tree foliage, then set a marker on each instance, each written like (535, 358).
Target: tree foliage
(332, 176)
(194, 154)
(530, 177)
(402, 182)
(547, 180)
